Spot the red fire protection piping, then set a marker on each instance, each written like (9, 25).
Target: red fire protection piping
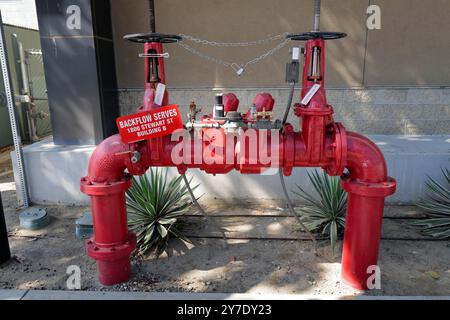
(367, 184)
(106, 184)
(321, 143)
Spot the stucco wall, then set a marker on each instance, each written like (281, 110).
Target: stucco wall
(409, 50)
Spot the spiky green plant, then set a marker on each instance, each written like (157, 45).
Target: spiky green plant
(325, 212)
(437, 206)
(155, 206)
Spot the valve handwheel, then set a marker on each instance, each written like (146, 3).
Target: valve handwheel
(152, 37)
(316, 35)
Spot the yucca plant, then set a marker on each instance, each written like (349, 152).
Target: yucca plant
(155, 206)
(324, 212)
(437, 206)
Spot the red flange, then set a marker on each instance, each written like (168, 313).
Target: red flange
(113, 261)
(369, 189)
(105, 188)
(339, 150)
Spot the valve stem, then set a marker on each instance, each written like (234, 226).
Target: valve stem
(316, 16)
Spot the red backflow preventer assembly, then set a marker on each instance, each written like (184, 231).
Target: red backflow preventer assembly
(320, 143)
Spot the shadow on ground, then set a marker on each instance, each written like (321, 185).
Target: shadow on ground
(408, 267)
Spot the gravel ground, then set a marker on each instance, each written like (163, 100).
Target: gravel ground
(41, 258)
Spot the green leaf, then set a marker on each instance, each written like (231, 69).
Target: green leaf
(155, 202)
(333, 236)
(162, 231)
(167, 221)
(437, 205)
(325, 210)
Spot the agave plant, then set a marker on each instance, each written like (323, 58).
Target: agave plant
(155, 206)
(437, 205)
(325, 212)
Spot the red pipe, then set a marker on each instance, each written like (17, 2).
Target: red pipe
(109, 160)
(321, 143)
(367, 185)
(106, 184)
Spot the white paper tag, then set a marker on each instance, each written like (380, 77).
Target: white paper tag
(307, 98)
(159, 94)
(295, 53)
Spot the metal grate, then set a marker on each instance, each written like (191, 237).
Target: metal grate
(38, 90)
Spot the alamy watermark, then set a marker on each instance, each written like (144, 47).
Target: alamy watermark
(212, 146)
(73, 282)
(374, 280)
(373, 21)
(73, 21)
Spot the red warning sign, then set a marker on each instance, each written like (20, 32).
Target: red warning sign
(149, 124)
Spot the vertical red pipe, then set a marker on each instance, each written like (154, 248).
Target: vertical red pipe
(111, 244)
(362, 236)
(367, 185)
(110, 228)
(106, 184)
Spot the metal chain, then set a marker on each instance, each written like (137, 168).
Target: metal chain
(268, 53)
(204, 56)
(233, 44)
(238, 68)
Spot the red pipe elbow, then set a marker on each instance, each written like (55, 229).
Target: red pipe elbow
(109, 160)
(365, 161)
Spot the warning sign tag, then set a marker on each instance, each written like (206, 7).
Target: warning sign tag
(149, 124)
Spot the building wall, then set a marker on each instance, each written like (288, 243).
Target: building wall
(389, 81)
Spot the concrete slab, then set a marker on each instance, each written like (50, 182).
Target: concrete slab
(12, 294)
(54, 172)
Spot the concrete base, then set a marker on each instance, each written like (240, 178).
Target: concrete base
(54, 172)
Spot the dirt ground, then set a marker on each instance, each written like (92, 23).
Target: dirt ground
(6, 172)
(265, 253)
(274, 265)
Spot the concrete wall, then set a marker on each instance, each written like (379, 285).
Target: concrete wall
(53, 172)
(409, 50)
(401, 111)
